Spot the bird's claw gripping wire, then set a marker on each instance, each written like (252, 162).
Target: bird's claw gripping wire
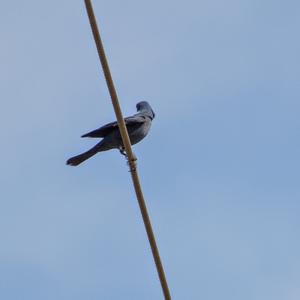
(131, 163)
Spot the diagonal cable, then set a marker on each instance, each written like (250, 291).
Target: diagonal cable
(128, 149)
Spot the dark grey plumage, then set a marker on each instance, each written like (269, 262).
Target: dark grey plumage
(137, 125)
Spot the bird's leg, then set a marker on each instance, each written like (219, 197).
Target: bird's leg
(122, 151)
(132, 163)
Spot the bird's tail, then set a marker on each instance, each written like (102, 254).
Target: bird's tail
(78, 159)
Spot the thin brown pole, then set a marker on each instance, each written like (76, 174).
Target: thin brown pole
(131, 157)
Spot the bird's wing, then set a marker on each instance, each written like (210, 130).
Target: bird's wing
(103, 131)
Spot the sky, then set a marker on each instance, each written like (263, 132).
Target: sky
(219, 169)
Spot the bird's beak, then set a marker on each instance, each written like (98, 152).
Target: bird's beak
(153, 113)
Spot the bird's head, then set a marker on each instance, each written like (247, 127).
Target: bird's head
(145, 107)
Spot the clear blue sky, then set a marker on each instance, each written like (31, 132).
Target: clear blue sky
(220, 167)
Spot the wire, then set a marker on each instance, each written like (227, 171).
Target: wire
(131, 157)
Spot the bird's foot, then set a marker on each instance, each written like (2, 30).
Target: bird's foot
(132, 163)
(133, 157)
(123, 152)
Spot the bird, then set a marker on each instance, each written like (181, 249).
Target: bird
(137, 126)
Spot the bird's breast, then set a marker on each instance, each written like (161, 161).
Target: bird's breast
(138, 134)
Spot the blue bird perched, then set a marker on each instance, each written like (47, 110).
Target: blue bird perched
(137, 126)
